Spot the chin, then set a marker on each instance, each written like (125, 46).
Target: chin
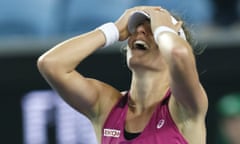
(141, 67)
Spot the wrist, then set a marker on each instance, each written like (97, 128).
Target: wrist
(160, 30)
(110, 32)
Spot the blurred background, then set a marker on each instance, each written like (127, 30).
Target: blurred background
(31, 111)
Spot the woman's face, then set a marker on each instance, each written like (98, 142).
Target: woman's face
(142, 51)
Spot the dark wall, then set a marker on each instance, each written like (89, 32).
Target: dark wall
(218, 68)
(220, 76)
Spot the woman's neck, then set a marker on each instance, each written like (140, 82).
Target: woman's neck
(148, 89)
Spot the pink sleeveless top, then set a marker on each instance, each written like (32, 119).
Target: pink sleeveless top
(161, 129)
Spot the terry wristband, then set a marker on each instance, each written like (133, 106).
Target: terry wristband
(110, 32)
(161, 29)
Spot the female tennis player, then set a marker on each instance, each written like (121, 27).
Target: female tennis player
(165, 104)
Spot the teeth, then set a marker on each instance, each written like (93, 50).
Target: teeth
(140, 42)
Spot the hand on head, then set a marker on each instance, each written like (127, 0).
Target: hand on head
(158, 17)
(122, 22)
(161, 17)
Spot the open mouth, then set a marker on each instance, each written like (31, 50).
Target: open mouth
(141, 45)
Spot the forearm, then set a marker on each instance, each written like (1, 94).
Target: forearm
(173, 47)
(184, 80)
(179, 57)
(65, 56)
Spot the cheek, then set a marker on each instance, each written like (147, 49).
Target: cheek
(130, 40)
(128, 56)
(156, 55)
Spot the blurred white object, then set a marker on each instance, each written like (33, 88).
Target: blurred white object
(41, 108)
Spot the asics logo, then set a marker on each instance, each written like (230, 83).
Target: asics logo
(160, 123)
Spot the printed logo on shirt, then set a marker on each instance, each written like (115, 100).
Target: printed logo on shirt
(160, 123)
(111, 133)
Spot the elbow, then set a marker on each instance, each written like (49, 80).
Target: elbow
(181, 59)
(41, 63)
(45, 65)
(180, 52)
(181, 55)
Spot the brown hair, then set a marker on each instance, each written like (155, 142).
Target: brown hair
(197, 49)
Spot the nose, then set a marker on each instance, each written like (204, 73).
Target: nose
(140, 29)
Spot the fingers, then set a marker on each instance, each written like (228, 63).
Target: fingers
(178, 25)
(143, 8)
(160, 18)
(147, 7)
(163, 15)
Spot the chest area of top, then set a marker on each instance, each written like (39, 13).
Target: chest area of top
(137, 122)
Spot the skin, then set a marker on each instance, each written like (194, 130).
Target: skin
(169, 63)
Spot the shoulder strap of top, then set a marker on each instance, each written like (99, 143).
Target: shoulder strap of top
(123, 100)
(166, 97)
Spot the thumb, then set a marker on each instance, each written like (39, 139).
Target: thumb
(178, 25)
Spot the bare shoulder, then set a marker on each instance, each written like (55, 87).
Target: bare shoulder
(107, 99)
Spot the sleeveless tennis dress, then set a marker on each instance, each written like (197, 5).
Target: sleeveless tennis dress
(161, 129)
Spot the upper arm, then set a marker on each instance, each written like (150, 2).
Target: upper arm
(58, 67)
(84, 94)
(185, 83)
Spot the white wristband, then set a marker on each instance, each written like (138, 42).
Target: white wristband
(110, 32)
(161, 29)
